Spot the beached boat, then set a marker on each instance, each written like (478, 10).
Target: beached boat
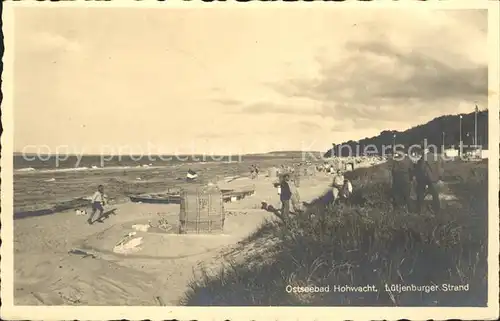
(231, 195)
(157, 198)
(228, 195)
(60, 207)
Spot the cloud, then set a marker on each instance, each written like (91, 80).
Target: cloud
(228, 101)
(379, 71)
(379, 82)
(342, 127)
(225, 135)
(308, 126)
(427, 79)
(273, 108)
(342, 72)
(354, 124)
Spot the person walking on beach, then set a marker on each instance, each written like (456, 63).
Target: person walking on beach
(428, 172)
(252, 171)
(99, 199)
(401, 170)
(285, 197)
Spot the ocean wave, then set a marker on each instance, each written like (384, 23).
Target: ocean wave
(92, 168)
(28, 169)
(63, 170)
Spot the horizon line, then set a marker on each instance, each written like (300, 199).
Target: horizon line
(167, 154)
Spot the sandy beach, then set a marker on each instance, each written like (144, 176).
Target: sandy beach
(158, 274)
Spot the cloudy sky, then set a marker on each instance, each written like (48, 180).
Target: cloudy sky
(232, 81)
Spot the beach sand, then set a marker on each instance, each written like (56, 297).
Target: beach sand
(158, 274)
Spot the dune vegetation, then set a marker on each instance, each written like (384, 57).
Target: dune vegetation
(442, 131)
(364, 243)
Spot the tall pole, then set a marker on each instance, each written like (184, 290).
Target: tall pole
(475, 128)
(443, 144)
(468, 140)
(460, 149)
(393, 143)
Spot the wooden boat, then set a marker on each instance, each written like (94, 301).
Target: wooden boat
(72, 204)
(25, 214)
(228, 195)
(60, 207)
(157, 198)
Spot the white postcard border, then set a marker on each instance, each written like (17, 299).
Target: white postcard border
(12, 312)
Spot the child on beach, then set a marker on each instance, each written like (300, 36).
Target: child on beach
(98, 200)
(252, 171)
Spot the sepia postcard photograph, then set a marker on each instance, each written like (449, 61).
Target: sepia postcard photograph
(305, 162)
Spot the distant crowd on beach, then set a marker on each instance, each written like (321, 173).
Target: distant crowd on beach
(254, 171)
(289, 181)
(405, 169)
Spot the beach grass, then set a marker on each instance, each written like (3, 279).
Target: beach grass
(364, 243)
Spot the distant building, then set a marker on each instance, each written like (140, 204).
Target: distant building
(451, 152)
(370, 153)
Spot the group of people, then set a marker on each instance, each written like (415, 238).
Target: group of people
(290, 199)
(254, 171)
(341, 187)
(326, 167)
(427, 172)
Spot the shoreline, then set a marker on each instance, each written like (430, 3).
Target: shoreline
(33, 192)
(116, 202)
(38, 190)
(134, 279)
